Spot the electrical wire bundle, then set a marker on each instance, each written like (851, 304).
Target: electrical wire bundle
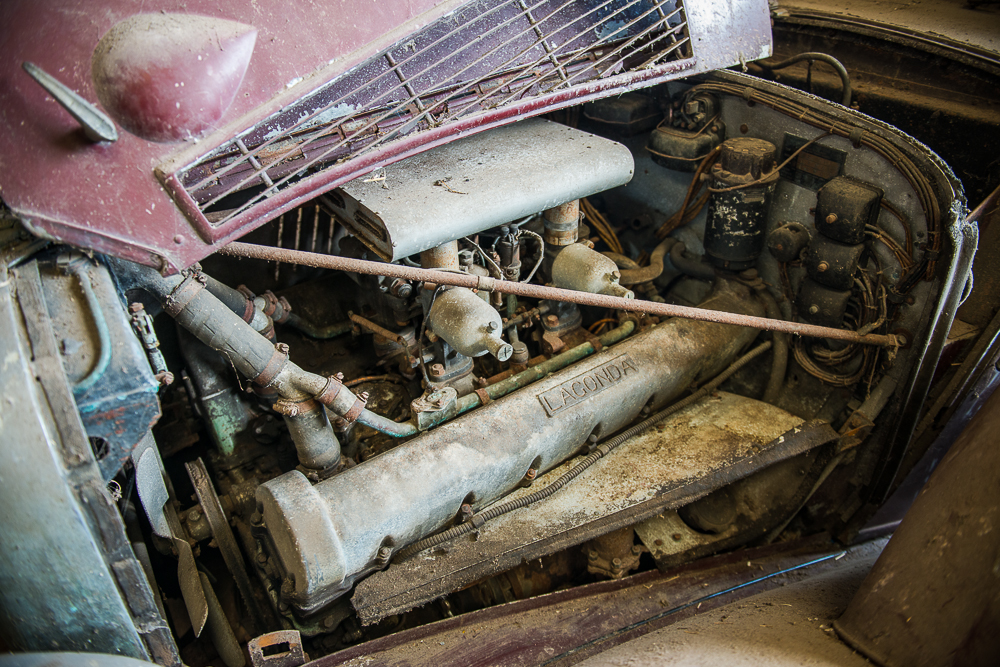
(847, 365)
(920, 183)
(692, 204)
(601, 226)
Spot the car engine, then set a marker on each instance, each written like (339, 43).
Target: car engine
(628, 333)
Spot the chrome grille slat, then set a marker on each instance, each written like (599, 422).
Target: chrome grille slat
(452, 69)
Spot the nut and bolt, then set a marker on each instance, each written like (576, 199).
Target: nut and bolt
(551, 320)
(658, 543)
(384, 553)
(491, 327)
(832, 218)
(437, 369)
(194, 515)
(592, 555)
(530, 475)
(287, 587)
(282, 348)
(401, 288)
(329, 622)
(616, 563)
(822, 266)
(135, 307)
(813, 309)
(636, 549)
(676, 537)
(363, 396)
(262, 559)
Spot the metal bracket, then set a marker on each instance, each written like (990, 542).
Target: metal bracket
(278, 649)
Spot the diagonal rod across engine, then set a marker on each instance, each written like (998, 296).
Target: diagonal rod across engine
(368, 267)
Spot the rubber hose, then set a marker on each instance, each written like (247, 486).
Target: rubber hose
(233, 299)
(621, 261)
(602, 450)
(690, 267)
(845, 78)
(779, 359)
(655, 268)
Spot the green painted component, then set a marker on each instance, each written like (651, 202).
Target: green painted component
(556, 363)
(535, 373)
(226, 418)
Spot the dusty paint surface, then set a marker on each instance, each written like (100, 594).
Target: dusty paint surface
(681, 459)
(569, 626)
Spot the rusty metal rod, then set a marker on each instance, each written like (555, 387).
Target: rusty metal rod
(371, 327)
(530, 291)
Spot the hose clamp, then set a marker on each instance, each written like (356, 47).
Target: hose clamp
(274, 366)
(484, 396)
(184, 293)
(355, 411)
(293, 409)
(330, 390)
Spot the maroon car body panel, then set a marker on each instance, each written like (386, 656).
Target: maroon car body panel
(126, 198)
(106, 196)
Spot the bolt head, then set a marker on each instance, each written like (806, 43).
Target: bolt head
(832, 218)
(194, 515)
(552, 320)
(822, 266)
(282, 348)
(135, 307)
(437, 369)
(676, 537)
(813, 309)
(592, 555)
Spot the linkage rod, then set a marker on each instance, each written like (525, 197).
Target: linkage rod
(530, 291)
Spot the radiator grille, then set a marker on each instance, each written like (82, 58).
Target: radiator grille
(484, 55)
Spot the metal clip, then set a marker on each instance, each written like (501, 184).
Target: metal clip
(284, 649)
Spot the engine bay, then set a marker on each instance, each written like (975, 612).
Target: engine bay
(348, 453)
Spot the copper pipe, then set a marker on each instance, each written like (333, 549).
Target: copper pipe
(553, 293)
(371, 326)
(503, 375)
(397, 379)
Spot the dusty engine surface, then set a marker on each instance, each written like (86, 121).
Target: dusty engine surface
(346, 453)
